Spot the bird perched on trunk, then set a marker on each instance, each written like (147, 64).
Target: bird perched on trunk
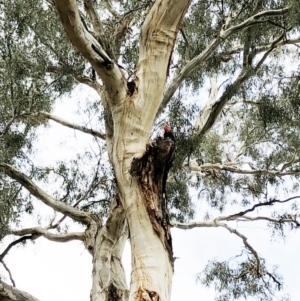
(168, 133)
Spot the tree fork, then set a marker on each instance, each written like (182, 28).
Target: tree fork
(151, 170)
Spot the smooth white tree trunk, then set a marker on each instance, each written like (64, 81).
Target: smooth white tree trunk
(109, 282)
(142, 198)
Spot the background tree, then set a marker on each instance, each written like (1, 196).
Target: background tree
(147, 60)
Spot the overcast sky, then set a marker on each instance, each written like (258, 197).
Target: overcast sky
(62, 271)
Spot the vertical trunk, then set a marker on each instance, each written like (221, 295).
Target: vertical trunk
(141, 184)
(152, 268)
(141, 181)
(109, 282)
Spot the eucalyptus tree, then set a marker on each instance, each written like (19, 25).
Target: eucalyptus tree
(150, 62)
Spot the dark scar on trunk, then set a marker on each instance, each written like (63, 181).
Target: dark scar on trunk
(151, 170)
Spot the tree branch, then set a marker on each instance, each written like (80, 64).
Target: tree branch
(242, 213)
(79, 199)
(196, 224)
(263, 48)
(290, 162)
(72, 125)
(211, 101)
(9, 273)
(53, 226)
(216, 223)
(89, 189)
(91, 49)
(157, 40)
(121, 32)
(231, 168)
(211, 111)
(7, 126)
(186, 70)
(34, 233)
(83, 79)
(269, 219)
(9, 293)
(260, 48)
(253, 20)
(38, 231)
(106, 4)
(14, 243)
(48, 200)
(246, 243)
(89, 82)
(209, 50)
(97, 25)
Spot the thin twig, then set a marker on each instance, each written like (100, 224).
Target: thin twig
(246, 243)
(4, 253)
(80, 199)
(271, 202)
(9, 273)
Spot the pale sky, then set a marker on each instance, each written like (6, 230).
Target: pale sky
(62, 271)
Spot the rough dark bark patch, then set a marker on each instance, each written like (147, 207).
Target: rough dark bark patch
(146, 295)
(152, 172)
(112, 293)
(131, 88)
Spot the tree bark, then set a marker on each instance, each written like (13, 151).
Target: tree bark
(109, 282)
(141, 193)
(146, 212)
(130, 117)
(9, 293)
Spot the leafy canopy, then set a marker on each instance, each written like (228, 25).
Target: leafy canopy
(246, 154)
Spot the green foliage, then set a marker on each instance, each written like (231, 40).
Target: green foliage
(280, 229)
(30, 42)
(12, 203)
(258, 130)
(179, 200)
(241, 279)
